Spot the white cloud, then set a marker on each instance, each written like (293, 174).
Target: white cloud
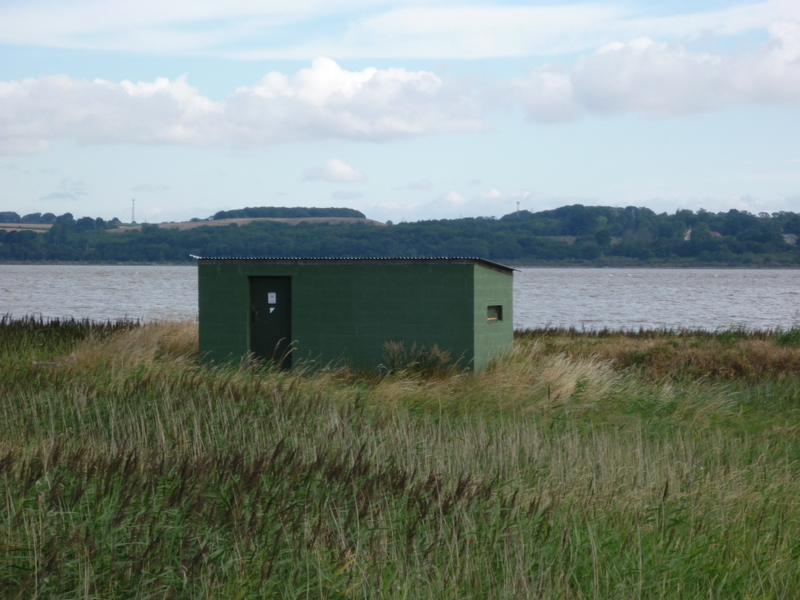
(452, 204)
(489, 203)
(468, 32)
(373, 104)
(21, 145)
(493, 30)
(656, 78)
(494, 197)
(365, 28)
(333, 170)
(453, 198)
(643, 75)
(35, 111)
(492, 194)
(548, 95)
(177, 26)
(492, 202)
(320, 102)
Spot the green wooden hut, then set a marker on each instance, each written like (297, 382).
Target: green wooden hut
(343, 311)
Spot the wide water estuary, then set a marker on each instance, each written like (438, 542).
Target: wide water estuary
(592, 299)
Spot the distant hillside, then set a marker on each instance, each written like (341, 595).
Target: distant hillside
(282, 212)
(570, 235)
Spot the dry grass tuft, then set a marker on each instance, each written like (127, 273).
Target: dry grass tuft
(724, 355)
(171, 340)
(528, 379)
(534, 380)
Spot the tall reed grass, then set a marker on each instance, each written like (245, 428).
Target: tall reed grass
(570, 469)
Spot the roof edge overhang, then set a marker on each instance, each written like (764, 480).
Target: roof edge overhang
(399, 260)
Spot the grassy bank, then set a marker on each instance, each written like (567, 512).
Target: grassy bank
(652, 465)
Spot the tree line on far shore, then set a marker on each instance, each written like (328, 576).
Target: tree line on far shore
(570, 235)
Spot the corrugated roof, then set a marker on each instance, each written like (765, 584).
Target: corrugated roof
(306, 260)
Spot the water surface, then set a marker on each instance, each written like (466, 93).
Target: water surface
(629, 299)
(635, 299)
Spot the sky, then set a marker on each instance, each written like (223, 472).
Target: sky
(405, 110)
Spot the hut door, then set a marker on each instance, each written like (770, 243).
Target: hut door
(271, 319)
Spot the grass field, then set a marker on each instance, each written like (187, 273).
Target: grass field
(608, 465)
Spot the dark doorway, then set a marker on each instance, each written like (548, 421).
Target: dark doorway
(271, 319)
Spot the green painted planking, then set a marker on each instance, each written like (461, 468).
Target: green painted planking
(345, 313)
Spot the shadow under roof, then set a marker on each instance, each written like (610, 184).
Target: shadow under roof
(399, 260)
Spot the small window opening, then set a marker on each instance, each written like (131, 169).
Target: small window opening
(494, 313)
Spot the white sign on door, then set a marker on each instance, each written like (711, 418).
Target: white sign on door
(272, 298)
